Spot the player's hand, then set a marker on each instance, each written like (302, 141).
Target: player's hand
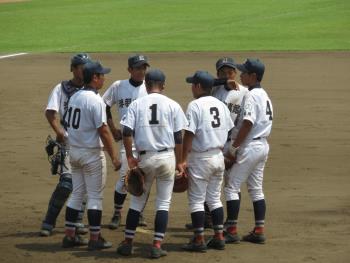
(180, 168)
(232, 84)
(60, 136)
(132, 162)
(117, 134)
(229, 162)
(117, 164)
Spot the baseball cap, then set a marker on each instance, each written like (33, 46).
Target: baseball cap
(202, 77)
(94, 67)
(80, 59)
(155, 75)
(137, 60)
(252, 65)
(226, 61)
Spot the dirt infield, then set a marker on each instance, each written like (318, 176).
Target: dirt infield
(307, 177)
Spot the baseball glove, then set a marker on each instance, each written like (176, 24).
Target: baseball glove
(181, 182)
(135, 181)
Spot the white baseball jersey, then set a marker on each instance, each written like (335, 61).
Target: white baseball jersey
(232, 98)
(123, 93)
(209, 119)
(257, 108)
(86, 113)
(154, 119)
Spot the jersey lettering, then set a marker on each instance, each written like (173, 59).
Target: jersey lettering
(215, 112)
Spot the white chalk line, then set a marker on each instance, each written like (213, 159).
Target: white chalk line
(12, 55)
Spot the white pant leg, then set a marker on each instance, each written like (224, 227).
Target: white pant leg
(78, 180)
(255, 179)
(161, 166)
(213, 194)
(95, 178)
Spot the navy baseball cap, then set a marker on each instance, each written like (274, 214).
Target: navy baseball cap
(155, 75)
(79, 59)
(94, 67)
(252, 65)
(225, 62)
(137, 60)
(202, 77)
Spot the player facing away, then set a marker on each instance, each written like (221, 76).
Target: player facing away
(57, 105)
(250, 150)
(209, 123)
(89, 134)
(155, 124)
(121, 93)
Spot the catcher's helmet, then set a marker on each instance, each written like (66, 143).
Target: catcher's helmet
(80, 59)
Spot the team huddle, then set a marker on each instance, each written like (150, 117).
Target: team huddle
(219, 141)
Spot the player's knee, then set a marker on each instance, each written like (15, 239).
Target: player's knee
(136, 206)
(231, 193)
(162, 205)
(65, 183)
(94, 203)
(119, 187)
(196, 207)
(256, 194)
(214, 204)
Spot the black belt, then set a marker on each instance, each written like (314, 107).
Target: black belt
(162, 150)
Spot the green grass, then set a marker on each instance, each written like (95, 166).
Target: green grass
(177, 25)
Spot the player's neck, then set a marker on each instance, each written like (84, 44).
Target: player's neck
(135, 83)
(76, 82)
(255, 86)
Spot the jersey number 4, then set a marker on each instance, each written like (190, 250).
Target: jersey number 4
(72, 120)
(215, 112)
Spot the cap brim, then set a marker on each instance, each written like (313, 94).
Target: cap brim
(105, 71)
(241, 68)
(140, 63)
(189, 79)
(230, 65)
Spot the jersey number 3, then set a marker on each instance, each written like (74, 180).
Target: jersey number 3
(215, 112)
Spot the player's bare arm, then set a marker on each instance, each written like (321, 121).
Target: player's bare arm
(117, 134)
(107, 140)
(187, 147)
(178, 151)
(52, 118)
(127, 141)
(241, 136)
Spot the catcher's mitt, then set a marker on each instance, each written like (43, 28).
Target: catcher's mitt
(181, 182)
(135, 181)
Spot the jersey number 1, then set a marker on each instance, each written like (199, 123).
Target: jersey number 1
(153, 114)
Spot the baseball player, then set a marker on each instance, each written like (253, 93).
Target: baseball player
(122, 93)
(209, 125)
(157, 123)
(57, 104)
(86, 123)
(250, 149)
(232, 96)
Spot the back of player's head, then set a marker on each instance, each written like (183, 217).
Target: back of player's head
(154, 77)
(91, 68)
(253, 65)
(79, 59)
(135, 61)
(203, 78)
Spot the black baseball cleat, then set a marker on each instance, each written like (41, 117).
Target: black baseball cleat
(75, 241)
(115, 221)
(255, 238)
(216, 243)
(231, 238)
(194, 246)
(98, 244)
(124, 249)
(158, 252)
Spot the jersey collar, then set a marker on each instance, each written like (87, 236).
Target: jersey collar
(135, 83)
(256, 86)
(90, 88)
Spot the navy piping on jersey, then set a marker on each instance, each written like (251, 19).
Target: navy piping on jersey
(135, 83)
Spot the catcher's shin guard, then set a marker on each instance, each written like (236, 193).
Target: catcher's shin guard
(57, 201)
